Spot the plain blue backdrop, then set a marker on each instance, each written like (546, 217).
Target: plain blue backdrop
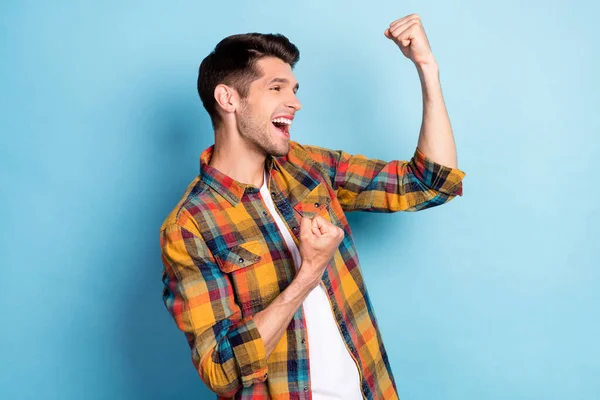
(492, 296)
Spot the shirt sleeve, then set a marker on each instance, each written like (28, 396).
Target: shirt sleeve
(227, 351)
(369, 184)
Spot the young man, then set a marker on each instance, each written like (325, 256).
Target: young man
(260, 268)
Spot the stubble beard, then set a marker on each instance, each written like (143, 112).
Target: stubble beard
(258, 132)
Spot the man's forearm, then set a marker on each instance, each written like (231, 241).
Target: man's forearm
(274, 319)
(436, 140)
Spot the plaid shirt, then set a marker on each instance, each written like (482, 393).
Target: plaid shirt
(225, 260)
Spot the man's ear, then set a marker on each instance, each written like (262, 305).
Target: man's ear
(226, 97)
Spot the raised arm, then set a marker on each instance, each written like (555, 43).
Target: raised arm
(431, 177)
(435, 139)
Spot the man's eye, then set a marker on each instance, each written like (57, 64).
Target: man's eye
(276, 88)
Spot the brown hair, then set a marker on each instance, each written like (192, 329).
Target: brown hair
(233, 62)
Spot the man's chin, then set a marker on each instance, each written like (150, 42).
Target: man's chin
(281, 150)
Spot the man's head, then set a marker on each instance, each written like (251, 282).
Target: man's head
(246, 83)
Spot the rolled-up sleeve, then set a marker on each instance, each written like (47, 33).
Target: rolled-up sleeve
(370, 184)
(227, 351)
(436, 176)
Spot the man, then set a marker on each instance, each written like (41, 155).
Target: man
(261, 271)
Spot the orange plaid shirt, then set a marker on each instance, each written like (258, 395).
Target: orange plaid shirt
(225, 260)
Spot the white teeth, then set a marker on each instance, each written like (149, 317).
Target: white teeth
(282, 121)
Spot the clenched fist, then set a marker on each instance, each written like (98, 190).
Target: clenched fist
(319, 239)
(408, 33)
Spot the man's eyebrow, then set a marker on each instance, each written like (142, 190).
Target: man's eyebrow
(283, 80)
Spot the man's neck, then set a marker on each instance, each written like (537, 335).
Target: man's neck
(236, 159)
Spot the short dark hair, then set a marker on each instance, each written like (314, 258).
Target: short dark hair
(233, 62)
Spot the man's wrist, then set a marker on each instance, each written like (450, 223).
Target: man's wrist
(428, 71)
(427, 65)
(305, 279)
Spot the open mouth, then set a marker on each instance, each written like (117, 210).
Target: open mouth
(282, 125)
(283, 128)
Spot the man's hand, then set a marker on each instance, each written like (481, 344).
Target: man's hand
(409, 35)
(319, 239)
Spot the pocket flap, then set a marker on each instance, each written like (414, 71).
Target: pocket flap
(239, 256)
(314, 202)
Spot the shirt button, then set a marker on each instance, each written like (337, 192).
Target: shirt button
(264, 213)
(317, 205)
(241, 260)
(273, 194)
(266, 375)
(303, 341)
(295, 229)
(306, 388)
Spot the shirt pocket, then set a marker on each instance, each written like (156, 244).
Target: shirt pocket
(252, 274)
(240, 256)
(316, 202)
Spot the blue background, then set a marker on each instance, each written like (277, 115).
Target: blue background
(492, 296)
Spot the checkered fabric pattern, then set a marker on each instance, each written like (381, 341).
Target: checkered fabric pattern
(225, 260)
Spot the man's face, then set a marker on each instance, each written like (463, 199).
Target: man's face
(266, 114)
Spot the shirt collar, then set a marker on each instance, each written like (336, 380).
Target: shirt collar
(229, 188)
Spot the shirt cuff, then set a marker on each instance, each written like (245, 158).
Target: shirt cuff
(250, 354)
(436, 176)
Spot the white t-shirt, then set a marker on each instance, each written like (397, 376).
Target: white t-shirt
(333, 373)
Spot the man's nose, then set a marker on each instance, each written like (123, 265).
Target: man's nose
(294, 103)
